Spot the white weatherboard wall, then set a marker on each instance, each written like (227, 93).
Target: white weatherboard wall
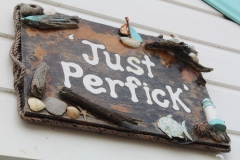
(196, 23)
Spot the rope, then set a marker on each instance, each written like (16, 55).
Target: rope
(19, 72)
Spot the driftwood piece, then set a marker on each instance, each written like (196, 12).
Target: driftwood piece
(38, 85)
(46, 22)
(204, 129)
(115, 117)
(219, 135)
(181, 52)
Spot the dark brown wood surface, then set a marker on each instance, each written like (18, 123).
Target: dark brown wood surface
(68, 95)
(52, 47)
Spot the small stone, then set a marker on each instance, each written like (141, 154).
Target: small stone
(31, 9)
(73, 112)
(36, 104)
(49, 11)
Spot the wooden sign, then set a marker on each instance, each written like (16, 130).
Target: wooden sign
(115, 89)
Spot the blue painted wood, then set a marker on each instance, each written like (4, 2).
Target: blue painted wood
(230, 8)
(51, 21)
(134, 34)
(37, 18)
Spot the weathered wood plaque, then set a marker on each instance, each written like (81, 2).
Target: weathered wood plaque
(140, 85)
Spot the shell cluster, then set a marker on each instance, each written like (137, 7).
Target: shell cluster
(52, 105)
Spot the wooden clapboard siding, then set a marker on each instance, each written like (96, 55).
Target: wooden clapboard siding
(46, 142)
(161, 17)
(28, 140)
(213, 53)
(214, 37)
(6, 80)
(164, 17)
(226, 100)
(196, 5)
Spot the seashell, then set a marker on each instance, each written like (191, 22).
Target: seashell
(194, 57)
(36, 104)
(31, 9)
(73, 112)
(55, 106)
(130, 42)
(49, 11)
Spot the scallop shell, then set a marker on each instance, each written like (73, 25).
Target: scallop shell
(55, 106)
(130, 42)
(73, 112)
(31, 9)
(36, 104)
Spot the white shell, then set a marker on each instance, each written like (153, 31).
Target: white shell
(194, 57)
(49, 11)
(174, 38)
(55, 106)
(73, 112)
(130, 42)
(192, 48)
(36, 104)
